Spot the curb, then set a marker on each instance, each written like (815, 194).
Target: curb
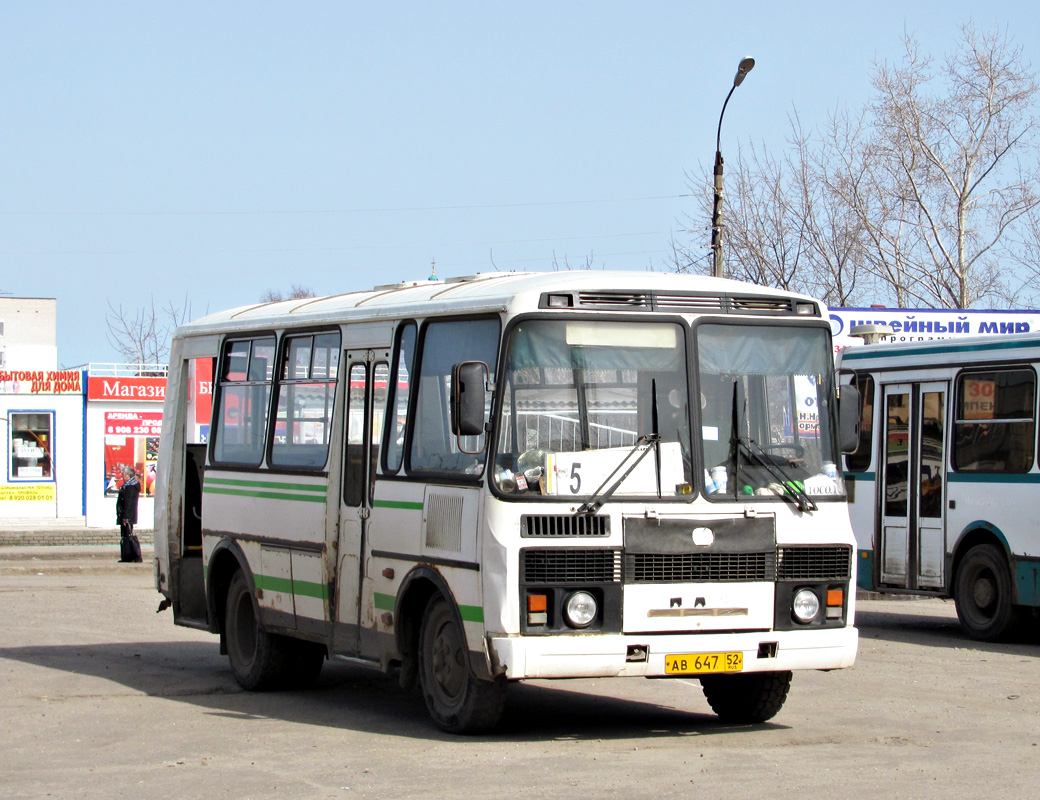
(57, 537)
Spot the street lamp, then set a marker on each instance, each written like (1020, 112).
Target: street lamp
(746, 65)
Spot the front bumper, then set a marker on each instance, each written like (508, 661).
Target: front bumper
(607, 655)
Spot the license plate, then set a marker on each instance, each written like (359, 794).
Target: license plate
(694, 663)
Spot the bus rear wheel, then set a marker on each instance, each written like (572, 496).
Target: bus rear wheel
(748, 698)
(259, 660)
(982, 593)
(457, 700)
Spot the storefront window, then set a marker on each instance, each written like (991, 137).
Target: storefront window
(31, 445)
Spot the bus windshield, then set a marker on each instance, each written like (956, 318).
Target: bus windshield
(765, 413)
(590, 407)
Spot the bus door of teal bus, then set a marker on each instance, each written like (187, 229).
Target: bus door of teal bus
(913, 507)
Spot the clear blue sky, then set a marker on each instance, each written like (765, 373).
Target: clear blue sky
(157, 151)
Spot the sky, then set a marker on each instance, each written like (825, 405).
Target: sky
(199, 154)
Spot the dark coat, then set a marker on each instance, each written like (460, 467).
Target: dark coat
(126, 502)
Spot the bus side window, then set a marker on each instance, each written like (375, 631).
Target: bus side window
(306, 395)
(860, 460)
(398, 394)
(245, 389)
(354, 452)
(433, 447)
(995, 421)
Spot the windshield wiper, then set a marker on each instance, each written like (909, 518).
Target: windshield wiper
(802, 500)
(599, 497)
(791, 490)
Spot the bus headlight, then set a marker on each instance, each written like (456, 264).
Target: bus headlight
(806, 605)
(580, 609)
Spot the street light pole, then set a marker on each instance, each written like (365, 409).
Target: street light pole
(743, 69)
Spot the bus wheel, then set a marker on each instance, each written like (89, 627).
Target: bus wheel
(259, 660)
(457, 700)
(748, 698)
(982, 592)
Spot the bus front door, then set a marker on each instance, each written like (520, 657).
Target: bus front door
(913, 519)
(366, 399)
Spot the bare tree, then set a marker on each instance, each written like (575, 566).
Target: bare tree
(296, 292)
(953, 159)
(143, 336)
(923, 198)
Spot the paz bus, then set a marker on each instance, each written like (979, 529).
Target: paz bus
(506, 476)
(941, 484)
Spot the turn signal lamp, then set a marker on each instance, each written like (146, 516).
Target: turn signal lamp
(537, 605)
(835, 602)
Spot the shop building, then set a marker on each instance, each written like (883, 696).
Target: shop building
(42, 409)
(124, 404)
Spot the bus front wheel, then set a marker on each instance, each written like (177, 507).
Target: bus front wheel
(982, 593)
(457, 700)
(747, 698)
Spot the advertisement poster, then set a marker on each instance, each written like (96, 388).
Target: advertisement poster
(131, 440)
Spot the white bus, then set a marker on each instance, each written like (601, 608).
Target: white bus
(501, 477)
(943, 482)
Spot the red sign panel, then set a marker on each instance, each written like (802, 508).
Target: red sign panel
(126, 388)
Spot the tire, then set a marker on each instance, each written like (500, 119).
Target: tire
(982, 592)
(457, 700)
(748, 698)
(259, 661)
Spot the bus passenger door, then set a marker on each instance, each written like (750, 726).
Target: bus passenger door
(913, 518)
(366, 385)
(186, 571)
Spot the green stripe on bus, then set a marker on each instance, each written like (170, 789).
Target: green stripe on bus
(993, 477)
(300, 487)
(269, 495)
(271, 583)
(397, 504)
(386, 602)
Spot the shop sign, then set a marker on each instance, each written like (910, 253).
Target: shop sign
(29, 381)
(99, 388)
(923, 324)
(32, 493)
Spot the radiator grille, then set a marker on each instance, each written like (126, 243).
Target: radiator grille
(566, 565)
(444, 522)
(552, 525)
(698, 567)
(814, 563)
(604, 565)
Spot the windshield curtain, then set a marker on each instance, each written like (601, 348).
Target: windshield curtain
(766, 411)
(582, 398)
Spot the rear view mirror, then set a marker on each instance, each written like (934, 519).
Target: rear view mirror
(848, 418)
(469, 385)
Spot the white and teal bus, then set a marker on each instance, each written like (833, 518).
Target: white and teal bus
(510, 476)
(945, 474)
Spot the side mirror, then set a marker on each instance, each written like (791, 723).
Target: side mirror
(469, 385)
(848, 418)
